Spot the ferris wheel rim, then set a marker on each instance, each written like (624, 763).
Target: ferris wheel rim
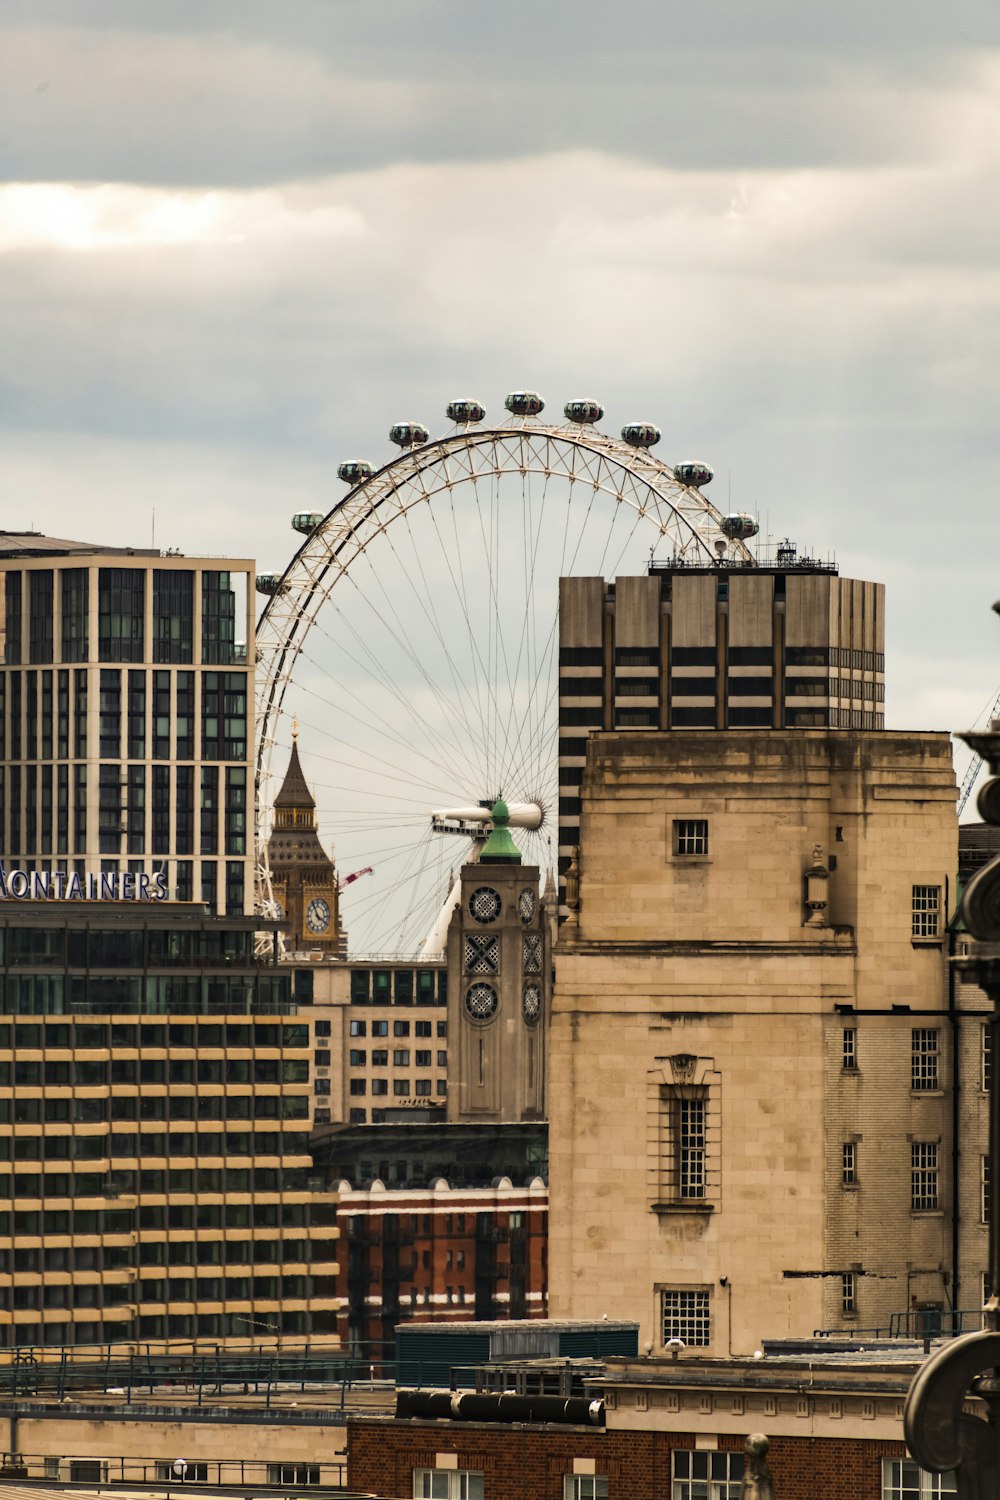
(294, 597)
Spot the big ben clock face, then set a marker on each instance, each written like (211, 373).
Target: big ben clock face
(317, 915)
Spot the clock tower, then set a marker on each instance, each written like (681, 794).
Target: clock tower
(303, 876)
(499, 982)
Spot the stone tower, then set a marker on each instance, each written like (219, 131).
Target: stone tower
(498, 986)
(303, 875)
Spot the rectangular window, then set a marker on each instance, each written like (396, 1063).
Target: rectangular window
(685, 1316)
(691, 1148)
(40, 615)
(293, 1474)
(121, 614)
(902, 1479)
(173, 614)
(690, 836)
(704, 1475)
(358, 1028)
(926, 917)
(74, 584)
(985, 1195)
(849, 1164)
(12, 613)
(218, 619)
(849, 1052)
(924, 1060)
(685, 1144)
(923, 1176)
(585, 1487)
(986, 1059)
(447, 1484)
(849, 1292)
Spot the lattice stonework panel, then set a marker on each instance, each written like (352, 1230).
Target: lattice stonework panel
(481, 955)
(532, 953)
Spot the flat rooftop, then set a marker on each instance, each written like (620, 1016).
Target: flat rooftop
(36, 544)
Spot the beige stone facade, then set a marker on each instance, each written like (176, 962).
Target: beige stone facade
(750, 1126)
(380, 1037)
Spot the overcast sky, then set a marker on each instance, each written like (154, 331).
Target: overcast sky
(240, 238)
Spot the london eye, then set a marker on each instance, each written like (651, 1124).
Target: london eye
(414, 637)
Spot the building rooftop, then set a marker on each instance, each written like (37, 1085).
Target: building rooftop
(35, 544)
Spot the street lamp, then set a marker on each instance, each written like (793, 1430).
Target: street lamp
(940, 1434)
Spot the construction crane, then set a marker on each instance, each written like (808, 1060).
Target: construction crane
(355, 875)
(976, 765)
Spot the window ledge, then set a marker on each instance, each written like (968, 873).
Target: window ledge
(691, 859)
(927, 1093)
(687, 1206)
(926, 1213)
(927, 942)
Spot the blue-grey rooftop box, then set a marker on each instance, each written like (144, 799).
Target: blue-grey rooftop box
(426, 1353)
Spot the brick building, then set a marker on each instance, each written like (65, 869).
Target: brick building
(442, 1253)
(670, 1429)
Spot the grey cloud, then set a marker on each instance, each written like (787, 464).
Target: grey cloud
(249, 94)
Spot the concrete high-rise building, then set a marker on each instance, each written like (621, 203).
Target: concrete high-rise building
(155, 1113)
(126, 706)
(783, 646)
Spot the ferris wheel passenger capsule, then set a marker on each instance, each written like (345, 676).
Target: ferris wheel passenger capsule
(464, 412)
(583, 412)
(641, 434)
(408, 434)
(524, 403)
(306, 521)
(738, 527)
(269, 583)
(694, 473)
(355, 471)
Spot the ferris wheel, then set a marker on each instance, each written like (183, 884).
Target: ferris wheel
(414, 637)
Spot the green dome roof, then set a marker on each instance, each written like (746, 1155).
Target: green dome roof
(500, 848)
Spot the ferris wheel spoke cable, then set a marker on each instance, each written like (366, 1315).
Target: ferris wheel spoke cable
(404, 924)
(480, 676)
(407, 778)
(530, 536)
(539, 750)
(428, 607)
(401, 698)
(380, 725)
(357, 792)
(397, 772)
(396, 933)
(494, 645)
(399, 637)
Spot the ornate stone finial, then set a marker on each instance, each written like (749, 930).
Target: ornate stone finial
(815, 900)
(758, 1481)
(573, 879)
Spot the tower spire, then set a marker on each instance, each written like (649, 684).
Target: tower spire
(500, 848)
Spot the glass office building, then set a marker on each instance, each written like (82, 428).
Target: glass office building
(126, 716)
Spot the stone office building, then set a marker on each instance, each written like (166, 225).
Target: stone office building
(751, 1121)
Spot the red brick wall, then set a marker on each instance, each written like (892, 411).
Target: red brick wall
(530, 1463)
